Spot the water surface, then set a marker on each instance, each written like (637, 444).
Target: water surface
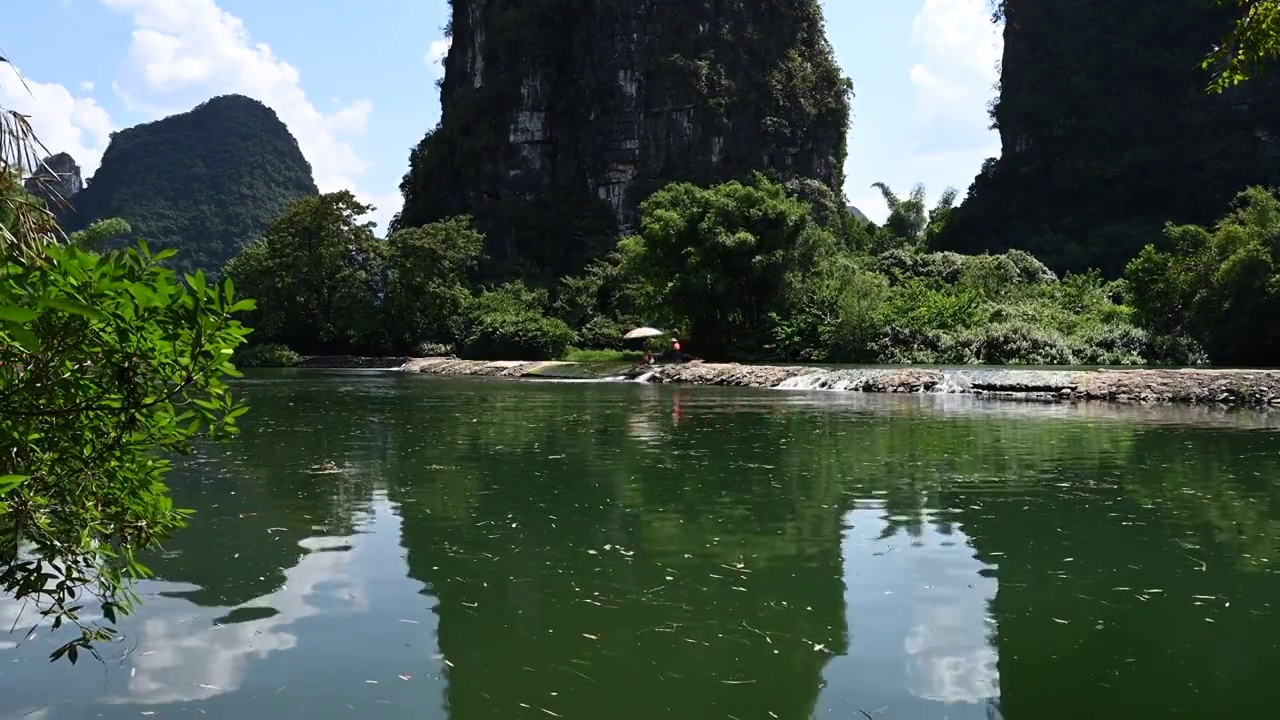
(495, 549)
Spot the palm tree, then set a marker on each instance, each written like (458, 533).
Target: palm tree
(909, 222)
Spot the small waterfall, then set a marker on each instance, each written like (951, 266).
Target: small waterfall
(808, 381)
(833, 380)
(878, 379)
(952, 383)
(646, 377)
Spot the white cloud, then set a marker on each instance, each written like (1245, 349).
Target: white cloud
(872, 205)
(186, 662)
(436, 54)
(954, 81)
(63, 121)
(86, 86)
(385, 205)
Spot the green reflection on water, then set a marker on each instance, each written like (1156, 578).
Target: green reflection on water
(486, 549)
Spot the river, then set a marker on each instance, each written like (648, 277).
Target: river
(533, 549)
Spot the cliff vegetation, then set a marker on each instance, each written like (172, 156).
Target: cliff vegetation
(204, 182)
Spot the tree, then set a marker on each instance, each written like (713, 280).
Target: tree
(509, 323)
(909, 221)
(1253, 40)
(717, 261)
(427, 281)
(107, 362)
(316, 274)
(1221, 286)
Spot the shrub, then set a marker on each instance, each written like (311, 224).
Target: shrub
(266, 355)
(918, 346)
(1113, 344)
(602, 333)
(1030, 270)
(602, 356)
(518, 336)
(931, 305)
(1017, 344)
(433, 349)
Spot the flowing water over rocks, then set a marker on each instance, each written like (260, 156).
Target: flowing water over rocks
(1258, 388)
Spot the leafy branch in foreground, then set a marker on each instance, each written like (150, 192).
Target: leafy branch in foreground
(107, 362)
(1252, 41)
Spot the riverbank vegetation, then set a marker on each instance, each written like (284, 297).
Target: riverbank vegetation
(754, 270)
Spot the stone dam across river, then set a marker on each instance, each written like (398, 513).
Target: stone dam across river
(1199, 386)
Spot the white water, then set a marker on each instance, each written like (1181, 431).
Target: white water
(859, 379)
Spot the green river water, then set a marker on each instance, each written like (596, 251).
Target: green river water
(500, 549)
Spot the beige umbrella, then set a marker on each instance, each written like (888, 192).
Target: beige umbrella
(644, 332)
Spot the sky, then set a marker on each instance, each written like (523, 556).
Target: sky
(355, 81)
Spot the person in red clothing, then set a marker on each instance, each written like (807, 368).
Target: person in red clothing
(676, 353)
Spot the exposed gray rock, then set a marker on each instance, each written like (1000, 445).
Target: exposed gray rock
(56, 181)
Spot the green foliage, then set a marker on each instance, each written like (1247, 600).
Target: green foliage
(106, 361)
(327, 285)
(316, 274)
(759, 270)
(921, 305)
(100, 233)
(599, 304)
(1220, 287)
(944, 308)
(911, 225)
(1253, 41)
(426, 292)
(602, 356)
(507, 323)
(206, 181)
(717, 261)
(266, 355)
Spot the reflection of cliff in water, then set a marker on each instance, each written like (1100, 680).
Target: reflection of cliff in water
(592, 593)
(592, 548)
(1141, 581)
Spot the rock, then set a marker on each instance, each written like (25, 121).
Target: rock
(1043, 186)
(56, 181)
(1149, 387)
(560, 116)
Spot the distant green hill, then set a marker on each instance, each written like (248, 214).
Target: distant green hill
(204, 181)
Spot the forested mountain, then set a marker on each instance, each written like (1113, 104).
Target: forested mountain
(204, 181)
(1108, 132)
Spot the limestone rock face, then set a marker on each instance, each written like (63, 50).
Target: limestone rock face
(1108, 132)
(560, 116)
(56, 181)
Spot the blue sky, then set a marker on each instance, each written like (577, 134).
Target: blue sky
(355, 80)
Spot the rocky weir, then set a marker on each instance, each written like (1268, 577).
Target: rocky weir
(1256, 388)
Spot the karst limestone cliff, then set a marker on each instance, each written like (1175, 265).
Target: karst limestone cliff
(560, 116)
